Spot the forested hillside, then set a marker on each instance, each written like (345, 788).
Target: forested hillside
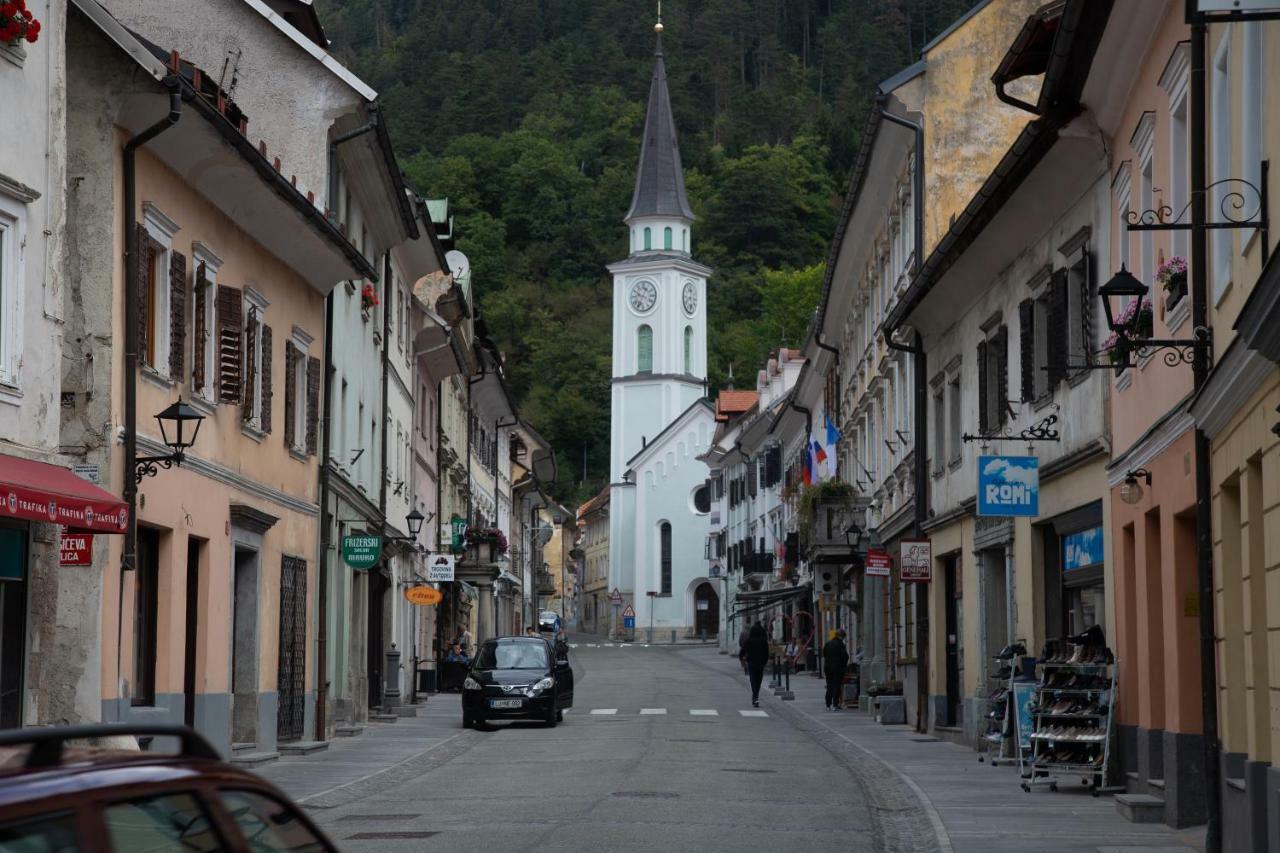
(527, 115)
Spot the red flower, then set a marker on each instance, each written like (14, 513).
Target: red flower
(8, 32)
(8, 10)
(33, 33)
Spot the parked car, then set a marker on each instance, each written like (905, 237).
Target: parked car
(60, 792)
(517, 678)
(548, 621)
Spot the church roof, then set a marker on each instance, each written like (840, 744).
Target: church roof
(700, 404)
(660, 176)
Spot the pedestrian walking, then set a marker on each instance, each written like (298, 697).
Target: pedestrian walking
(835, 659)
(742, 645)
(754, 655)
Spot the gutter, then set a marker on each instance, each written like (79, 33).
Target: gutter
(129, 559)
(397, 179)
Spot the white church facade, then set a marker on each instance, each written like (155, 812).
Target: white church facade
(661, 420)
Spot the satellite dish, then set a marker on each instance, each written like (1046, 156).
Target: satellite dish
(458, 264)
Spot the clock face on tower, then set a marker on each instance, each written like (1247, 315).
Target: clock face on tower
(643, 296)
(690, 298)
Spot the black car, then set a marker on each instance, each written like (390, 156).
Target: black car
(514, 678)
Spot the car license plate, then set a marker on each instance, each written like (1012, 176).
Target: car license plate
(505, 703)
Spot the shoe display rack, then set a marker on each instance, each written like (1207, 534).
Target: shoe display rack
(1000, 742)
(1072, 713)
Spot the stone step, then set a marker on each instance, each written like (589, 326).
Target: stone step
(243, 747)
(383, 718)
(1141, 808)
(405, 710)
(349, 731)
(254, 759)
(303, 747)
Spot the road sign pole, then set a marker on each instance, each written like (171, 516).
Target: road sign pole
(613, 626)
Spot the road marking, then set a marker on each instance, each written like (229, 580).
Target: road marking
(704, 712)
(653, 710)
(604, 710)
(753, 713)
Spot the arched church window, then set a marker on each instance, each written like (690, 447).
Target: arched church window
(688, 349)
(666, 237)
(644, 349)
(684, 236)
(648, 238)
(664, 537)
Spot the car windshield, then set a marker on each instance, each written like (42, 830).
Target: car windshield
(512, 656)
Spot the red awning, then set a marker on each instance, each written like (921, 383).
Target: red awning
(38, 491)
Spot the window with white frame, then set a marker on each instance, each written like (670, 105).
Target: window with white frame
(296, 389)
(1142, 143)
(204, 322)
(1174, 81)
(13, 220)
(1220, 123)
(156, 258)
(256, 306)
(1252, 104)
(956, 429)
(940, 421)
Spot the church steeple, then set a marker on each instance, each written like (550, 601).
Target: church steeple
(660, 176)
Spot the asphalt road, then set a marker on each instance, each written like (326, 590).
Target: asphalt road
(656, 754)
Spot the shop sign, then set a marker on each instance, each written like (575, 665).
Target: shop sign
(423, 596)
(1024, 699)
(1243, 9)
(1009, 485)
(1082, 549)
(878, 563)
(915, 560)
(361, 551)
(440, 568)
(76, 549)
(457, 533)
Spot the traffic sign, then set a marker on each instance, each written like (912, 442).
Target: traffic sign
(615, 596)
(628, 612)
(628, 622)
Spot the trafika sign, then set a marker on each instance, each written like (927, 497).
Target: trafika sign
(1009, 485)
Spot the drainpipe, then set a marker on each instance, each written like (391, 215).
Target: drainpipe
(919, 364)
(129, 560)
(379, 654)
(326, 533)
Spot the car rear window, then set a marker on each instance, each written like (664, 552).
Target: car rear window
(530, 655)
(54, 833)
(158, 824)
(269, 825)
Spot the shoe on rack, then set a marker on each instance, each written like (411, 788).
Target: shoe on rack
(1003, 672)
(1092, 636)
(1011, 650)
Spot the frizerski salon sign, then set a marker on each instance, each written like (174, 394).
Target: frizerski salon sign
(361, 551)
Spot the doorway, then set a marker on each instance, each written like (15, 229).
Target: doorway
(291, 673)
(13, 622)
(706, 611)
(190, 652)
(244, 647)
(953, 605)
(375, 622)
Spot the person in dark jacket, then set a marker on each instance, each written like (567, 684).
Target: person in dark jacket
(755, 654)
(742, 644)
(835, 660)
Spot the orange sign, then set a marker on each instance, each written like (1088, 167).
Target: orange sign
(423, 595)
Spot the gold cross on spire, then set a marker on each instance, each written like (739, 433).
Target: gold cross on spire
(657, 28)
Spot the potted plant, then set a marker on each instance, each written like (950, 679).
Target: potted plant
(821, 505)
(486, 544)
(1117, 349)
(368, 298)
(1172, 276)
(17, 24)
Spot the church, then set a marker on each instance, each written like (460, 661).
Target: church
(661, 419)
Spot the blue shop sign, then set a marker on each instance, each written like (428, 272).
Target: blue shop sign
(1082, 549)
(1009, 485)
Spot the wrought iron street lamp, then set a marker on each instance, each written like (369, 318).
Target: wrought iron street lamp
(1131, 492)
(179, 426)
(413, 523)
(1125, 286)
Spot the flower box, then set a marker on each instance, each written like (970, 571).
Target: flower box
(17, 24)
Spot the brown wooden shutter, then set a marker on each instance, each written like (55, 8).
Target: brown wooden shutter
(313, 403)
(177, 315)
(983, 425)
(1027, 344)
(264, 416)
(1057, 328)
(290, 393)
(1000, 351)
(230, 337)
(1086, 305)
(201, 331)
(250, 365)
(142, 284)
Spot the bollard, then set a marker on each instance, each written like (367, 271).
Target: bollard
(787, 695)
(391, 688)
(673, 636)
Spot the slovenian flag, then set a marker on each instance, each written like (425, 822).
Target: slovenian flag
(806, 467)
(818, 453)
(833, 434)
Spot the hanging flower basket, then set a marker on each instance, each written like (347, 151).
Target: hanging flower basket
(1172, 276)
(485, 544)
(1117, 349)
(368, 297)
(17, 24)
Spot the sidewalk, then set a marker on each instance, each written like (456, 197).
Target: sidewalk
(378, 758)
(974, 807)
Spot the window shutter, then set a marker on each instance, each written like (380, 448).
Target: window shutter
(983, 425)
(1027, 344)
(751, 478)
(290, 393)
(1086, 304)
(313, 403)
(144, 306)
(201, 312)
(230, 334)
(1001, 346)
(264, 417)
(177, 315)
(250, 365)
(1057, 327)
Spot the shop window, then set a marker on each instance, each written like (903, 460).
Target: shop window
(146, 599)
(664, 541)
